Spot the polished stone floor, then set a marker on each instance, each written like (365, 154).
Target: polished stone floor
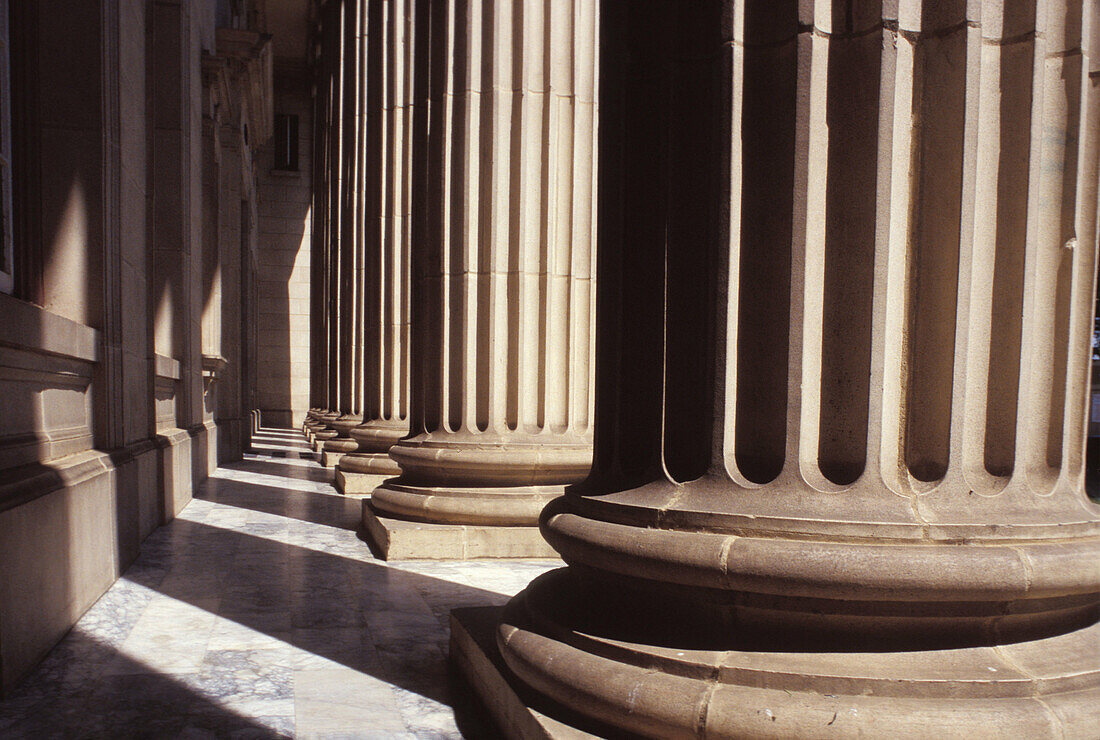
(260, 613)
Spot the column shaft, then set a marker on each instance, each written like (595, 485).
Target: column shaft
(387, 187)
(347, 228)
(503, 270)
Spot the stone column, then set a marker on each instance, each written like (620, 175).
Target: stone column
(318, 244)
(838, 476)
(387, 189)
(501, 396)
(347, 224)
(332, 32)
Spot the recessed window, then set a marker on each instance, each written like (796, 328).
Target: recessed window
(286, 142)
(7, 269)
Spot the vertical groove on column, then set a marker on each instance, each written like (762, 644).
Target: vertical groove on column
(513, 261)
(347, 243)
(495, 239)
(336, 117)
(545, 200)
(529, 236)
(586, 14)
(372, 212)
(432, 400)
(360, 214)
(390, 154)
(467, 245)
(396, 201)
(560, 104)
(1085, 254)
(399, 404)
(1050, 234)
(693, 189)
(761, 242)
(456, 126)
(852, 57)
(939, 110)
(999, 199)
(340, 323)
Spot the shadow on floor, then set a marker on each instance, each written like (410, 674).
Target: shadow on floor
(67, 697)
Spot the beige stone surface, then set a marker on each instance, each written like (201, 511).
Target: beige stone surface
(284, 242)
(839, 487)
(129, 206)
(501, 403)
(475, 655)
(399, 539)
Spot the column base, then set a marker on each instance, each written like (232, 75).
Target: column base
(509, 704)
(330, 459)
(334, 449)
(319, 439)
(359, 473)
(631, 665)
(400, 539)
(503, 506)
(357, 484)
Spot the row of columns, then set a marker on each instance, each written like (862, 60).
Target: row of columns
(847, 261)
(496, 190)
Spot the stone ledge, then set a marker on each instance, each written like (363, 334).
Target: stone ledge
(399, 539)
(475, 657)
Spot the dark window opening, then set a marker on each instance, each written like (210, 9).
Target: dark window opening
(286, 142)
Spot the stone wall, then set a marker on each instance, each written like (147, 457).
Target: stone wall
(284, 264)
(112, 349)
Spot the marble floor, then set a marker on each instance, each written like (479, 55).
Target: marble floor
(259, 612)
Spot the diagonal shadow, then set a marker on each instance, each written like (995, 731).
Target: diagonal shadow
(296, 595)
(68, 697)
(287, 470)
(292, 586)
(327, 509)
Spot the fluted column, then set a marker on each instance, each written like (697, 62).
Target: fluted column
(347, 249)
(501, 396)
(838, 476)
(387, 187)
(326, 192)
(347, 227)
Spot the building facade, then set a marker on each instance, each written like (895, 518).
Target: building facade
(149, 237)
(771, 318)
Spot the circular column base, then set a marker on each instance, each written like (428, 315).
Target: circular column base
(378, 436)
(479, 479)
(377, 463)
(620, 658)
(345, 424)
(340, 444)
(491, 505)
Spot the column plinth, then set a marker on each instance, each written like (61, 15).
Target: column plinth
(843, 493)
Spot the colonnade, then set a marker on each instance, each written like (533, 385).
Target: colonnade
(847, 261)
(478, 220)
